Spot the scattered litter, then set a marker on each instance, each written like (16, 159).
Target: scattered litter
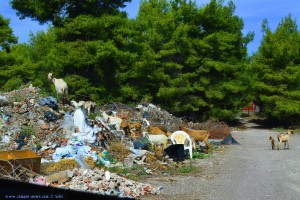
(85, 132)
(77, 152)
(107, 175)
(229, 140)
(49, 101)
(50, 116)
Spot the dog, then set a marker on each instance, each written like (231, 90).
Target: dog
(272, 142)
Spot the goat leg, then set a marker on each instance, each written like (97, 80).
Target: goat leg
(206, 144)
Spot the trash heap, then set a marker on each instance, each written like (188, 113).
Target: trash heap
(41, 124)
(100, 181)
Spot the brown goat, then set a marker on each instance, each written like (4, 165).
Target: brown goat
(272, 142)
(164, 129)
(127, 126)
(197, 135)
(153, 130)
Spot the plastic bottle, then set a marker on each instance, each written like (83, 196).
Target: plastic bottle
(80, 160)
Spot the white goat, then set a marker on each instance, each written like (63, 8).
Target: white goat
(88, 105)
(157, 139)
(61, 86)
(284, 138)
(112, 120)
(77, 104)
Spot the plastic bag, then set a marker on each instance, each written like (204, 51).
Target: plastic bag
(68, 124)
(80, 160)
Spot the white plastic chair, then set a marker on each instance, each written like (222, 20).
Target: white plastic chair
(179, 137)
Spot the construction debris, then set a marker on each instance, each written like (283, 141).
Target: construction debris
(74, 158)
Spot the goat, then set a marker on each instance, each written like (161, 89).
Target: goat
(197, 135)
(61, 86)
(156, 130)
(136, 125)
(153, 130)
(157, 139)
(112, 120)
(159, 129)
(123, 115)
(165, 130)
(75, 104)
(127, 126)
(88, 105)
(272, 142)
(284, 138)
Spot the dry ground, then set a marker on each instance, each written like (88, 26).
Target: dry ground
(251, 170)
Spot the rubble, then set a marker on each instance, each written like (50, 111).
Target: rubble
(41, 124)
(59, 177)
(105, 183)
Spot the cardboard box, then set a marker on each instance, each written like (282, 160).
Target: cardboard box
(26, 158)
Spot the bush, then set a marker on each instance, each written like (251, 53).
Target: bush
(217, 130)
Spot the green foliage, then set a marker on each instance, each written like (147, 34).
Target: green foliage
(191, 60)
(199, 155)
(276, 66)
(7, 39)
(28, 131)
(119, 170)
(93, 116)
(58, 11)
(184, 81)
(80, 88)
(186, 169)
(183, 169)
(12, 84)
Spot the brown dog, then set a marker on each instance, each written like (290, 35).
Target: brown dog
(272, 142)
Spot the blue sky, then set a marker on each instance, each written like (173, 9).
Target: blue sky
(252, 12)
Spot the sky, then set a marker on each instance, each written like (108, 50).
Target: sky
(252, 12)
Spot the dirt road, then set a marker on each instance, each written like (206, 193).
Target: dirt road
(248, 171)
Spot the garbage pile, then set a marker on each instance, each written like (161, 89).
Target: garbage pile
(90, 145)
(29, 121)
(100, 181)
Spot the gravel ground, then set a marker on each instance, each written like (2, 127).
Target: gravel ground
(248, 171)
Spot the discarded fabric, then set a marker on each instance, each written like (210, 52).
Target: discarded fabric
(229, 140)
(49, 101)
(50, 116)
(21, 140)
(141, 143)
